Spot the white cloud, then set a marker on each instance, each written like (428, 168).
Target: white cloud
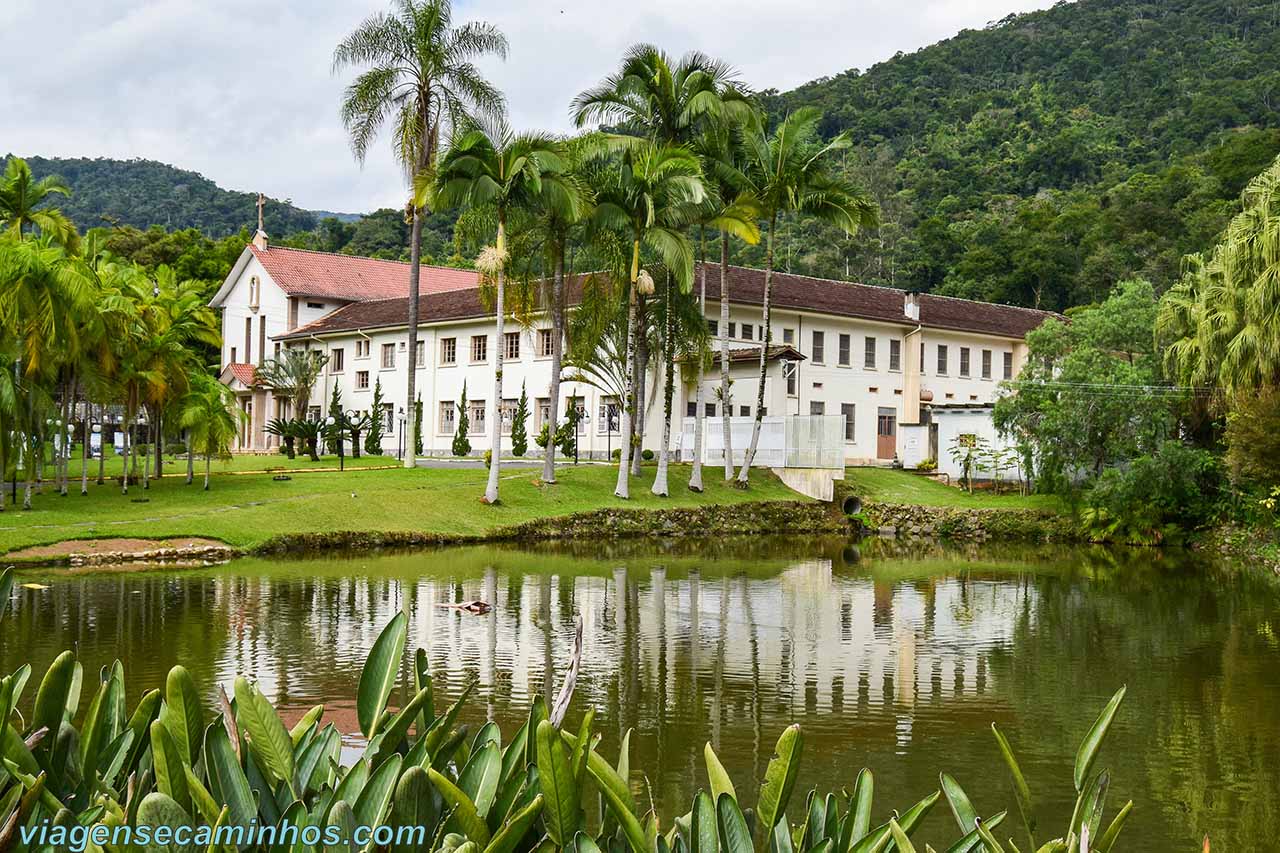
(240, 90)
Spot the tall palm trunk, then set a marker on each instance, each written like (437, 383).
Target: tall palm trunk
(159, 448)
(767, 337)
(102, 444)
(695, 477)
(124, 456)
(3, 469)
(495, 431)
(557, 356)
(191, 458)
(146, 461)
(415, 275)
(207, 458)
(84, 449)
(726, 406)
(33, 459)
(641, 380)
(668, 391)
(623, 489)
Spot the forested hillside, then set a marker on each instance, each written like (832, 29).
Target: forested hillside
(1043, 158)
(142, 193)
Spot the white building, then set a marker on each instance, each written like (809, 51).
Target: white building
(879, 357)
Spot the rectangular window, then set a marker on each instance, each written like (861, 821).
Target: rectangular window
(543, 412)
(233, 356)
(986, 364)
(895, 354)
(847, 409)
(842, 355)
(479, 348)
(335, 360)
(362, 380)
(964, 361)
(448, 350)
(389, 418)
(248, 340)
(313, 413)
(744, 411)
(713, 328)
(420, 353)
(508, 413)
(819, 347)
(388, 356)
(608, 416)
(262, 338)
(791, 372)
(362, 349)
(942, 359)
(710, 410)
(277, 350)
(733, 330)
(448, 417)
(788, 336)
(817, 407)
(869, 353)
(545, 343)
(747, 331)
(691, 409)
(1008, 365)
(475, 413)
(511, 352)
(319, 306)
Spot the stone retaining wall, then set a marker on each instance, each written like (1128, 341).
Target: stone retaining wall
(1020, 525)
(207, 555)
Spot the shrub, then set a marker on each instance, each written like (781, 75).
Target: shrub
(927, 464)
(617, 454)
(1158, 496)
(188, 767)
(646, 455)
(488, 458)
(1253, 439)
(176, 448)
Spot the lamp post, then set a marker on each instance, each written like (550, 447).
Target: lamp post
(400, 443)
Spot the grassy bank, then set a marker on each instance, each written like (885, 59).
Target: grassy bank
(248, 509)
(888, 485)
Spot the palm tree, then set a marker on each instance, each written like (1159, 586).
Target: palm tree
(788, 172)
(1221, 323)
(421, 75)
(210, 414)
(491, 170)
(294, 374)
(683, 340)
(21, 197)
(650, 195)
(284, 430)
(655, 96)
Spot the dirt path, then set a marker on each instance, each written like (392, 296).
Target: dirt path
(98, 546)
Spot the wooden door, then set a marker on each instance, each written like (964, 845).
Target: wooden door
(886, 433)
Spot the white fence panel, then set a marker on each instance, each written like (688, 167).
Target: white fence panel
(815, 441)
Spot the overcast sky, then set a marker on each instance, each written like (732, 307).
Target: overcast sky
(241, 90)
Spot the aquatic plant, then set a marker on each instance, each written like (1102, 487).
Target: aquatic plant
(170, 762)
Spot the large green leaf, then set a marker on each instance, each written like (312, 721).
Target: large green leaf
(563, 812)
(227, 782)
(617, 797)
(464, 810)
(1109, 837)
(394, 732)
(971, 839)
(51, 699)
(703, 837)
(101, 724)
(342, 817)
(479, 776)
(1021, 791)
(268, 739)
(379, 674)
(860, 809)
(881, 838)
(732, 826)
(779, 778)
(183, 715)
(1093, 739)
(157, 810)
(961, 807)
(716, 774)
(414, 804)
(900, 839)
(166, 759)
(515, 829)
(372, 804)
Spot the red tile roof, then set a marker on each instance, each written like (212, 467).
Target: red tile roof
(847, 299)
(300, 272)
(746, 286)
(247, 374)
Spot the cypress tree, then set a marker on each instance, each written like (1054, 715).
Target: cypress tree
(519, 432)
(373, 441)
(462, 444)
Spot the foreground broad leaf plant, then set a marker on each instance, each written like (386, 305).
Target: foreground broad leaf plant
(428, 783)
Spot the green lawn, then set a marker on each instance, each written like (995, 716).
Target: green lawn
(889, 485)
(236, 463)
(246, 510)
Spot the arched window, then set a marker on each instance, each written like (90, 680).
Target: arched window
(253, 292)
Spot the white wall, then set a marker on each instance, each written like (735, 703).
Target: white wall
(954, 423)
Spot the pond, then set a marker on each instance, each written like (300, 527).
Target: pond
(890, 656)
